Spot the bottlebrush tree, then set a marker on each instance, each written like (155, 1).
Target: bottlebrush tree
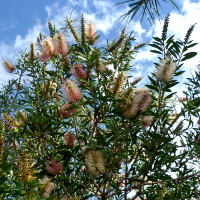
(73, 125)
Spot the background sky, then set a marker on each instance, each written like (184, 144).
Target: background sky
(21, 22)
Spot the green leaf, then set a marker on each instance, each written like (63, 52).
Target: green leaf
(157, 52)
(189, 55)
(152, 87)
(52, 73)
(157, 39)
(156, 46)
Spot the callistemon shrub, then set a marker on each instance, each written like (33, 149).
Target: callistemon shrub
(88, 131)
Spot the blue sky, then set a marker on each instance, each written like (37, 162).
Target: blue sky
(21, 21)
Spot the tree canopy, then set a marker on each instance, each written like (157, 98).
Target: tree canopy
(75, 125)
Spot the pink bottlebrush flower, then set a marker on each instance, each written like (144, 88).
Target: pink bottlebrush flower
(69, 139)
(147, 121)
(182, 99)
(71, 92)
(67, 60)
(54, 167)
(146, 102)
(60, 44)
(66, 110)
(136, 81)
(78, 71)
(91, 32)
(47, 49)
(8, 66)
(43, 57)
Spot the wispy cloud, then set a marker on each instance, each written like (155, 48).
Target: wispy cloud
(105, 14)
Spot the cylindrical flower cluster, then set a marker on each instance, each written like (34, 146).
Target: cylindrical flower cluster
(91, 32)
(147, 121)
(79, 72)
(118, 83)
(69, 139)
(60, 44)
(48, 189)
(54, 167)
(71, 92)
(95, 162)
(53, 46)
(8, 66)
(140, 102)
(47, 49)
(166, 69)
(32, 55)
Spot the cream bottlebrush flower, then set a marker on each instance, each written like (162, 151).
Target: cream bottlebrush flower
(91, 32)
(66, 110)
(71, 92)
(8, 66)
(60, 44)
(45, 181)
(142, 99)
(166, 69)
(48, 189)
(95, 161)
(147, 121)
(52, 86)
(141, 102)
(146, 102)
(47, 49)
(54, 167)
(130, 110)
(69, 139)
(78, 71)
(118, 83)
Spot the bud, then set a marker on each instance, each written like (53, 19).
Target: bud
(18, 86)
(8, 66)
(118, 83)
(183, 99)
(54, 167)
(74, 33)
(22, 116)
(136, 81)
(32, 52)
(83, 35)
(52, 89)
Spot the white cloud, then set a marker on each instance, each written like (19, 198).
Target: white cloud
(31, 36)
(105, 15)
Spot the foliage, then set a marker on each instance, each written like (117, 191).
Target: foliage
(148, 8)
(73, 126)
